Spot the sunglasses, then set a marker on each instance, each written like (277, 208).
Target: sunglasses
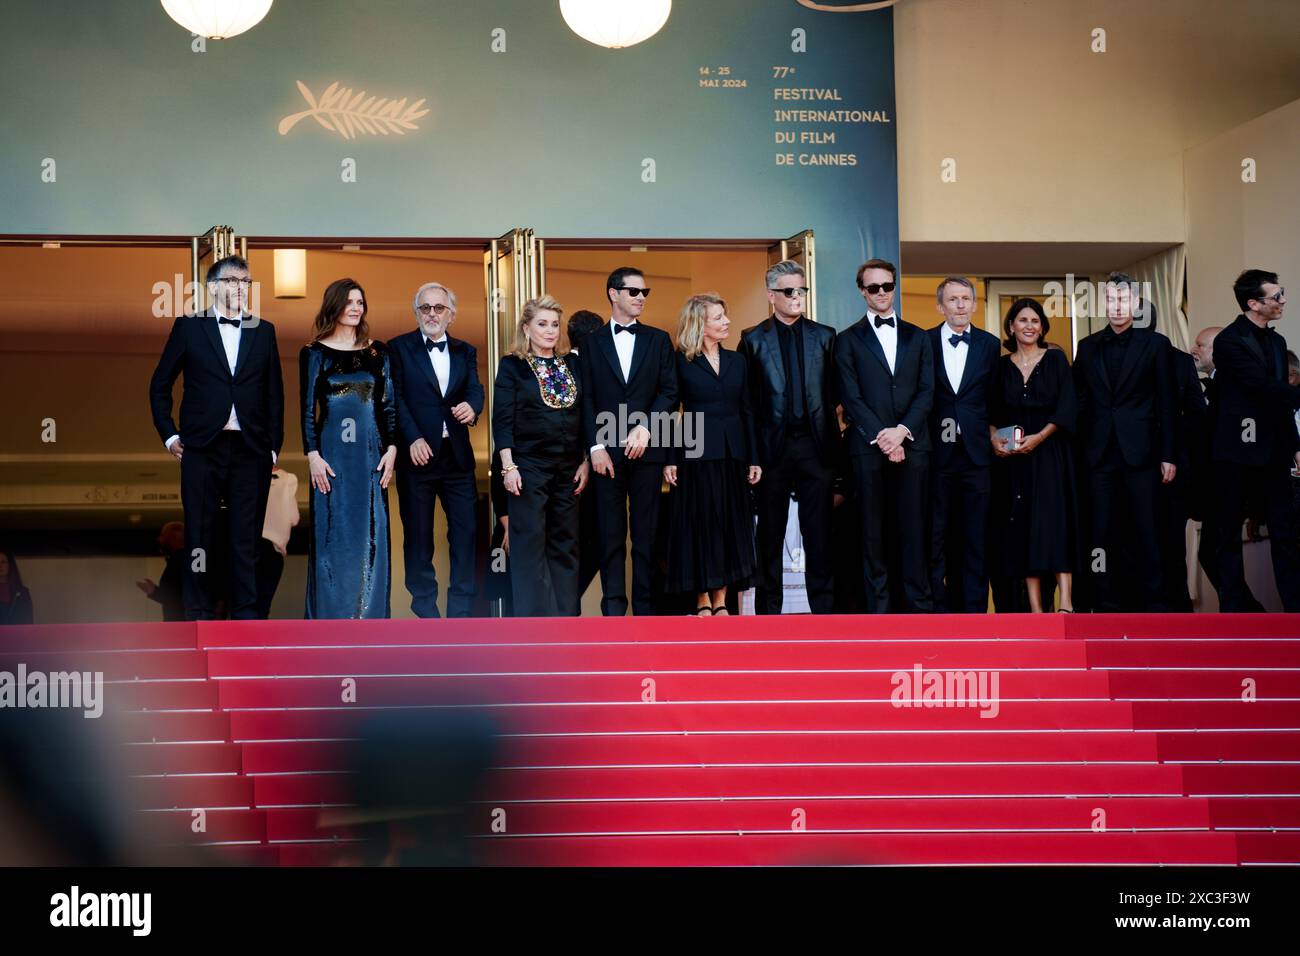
(635, 292)
(791, 293)
(874, 287)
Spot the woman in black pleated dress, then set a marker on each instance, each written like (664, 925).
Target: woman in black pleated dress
(536, 424)
(1035, 503)
(711, 528)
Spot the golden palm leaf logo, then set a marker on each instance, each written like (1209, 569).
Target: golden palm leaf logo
(350, 115)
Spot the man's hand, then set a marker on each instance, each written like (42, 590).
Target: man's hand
(1167, 472)
(420, 452)
(463, 413)
(898, 454)
(147, 586)
(177, 449)
(386, 464)
(670, 474)
(580, 477)
(637, 440)
(890, 438)
(755, 474)
(601, 463)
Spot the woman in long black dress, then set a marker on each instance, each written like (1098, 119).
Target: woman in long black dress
(349, 428)
(711, 530)
(1035, 512)
(536, 424)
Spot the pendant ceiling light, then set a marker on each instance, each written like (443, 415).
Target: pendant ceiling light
(217, 19)
(615, 23)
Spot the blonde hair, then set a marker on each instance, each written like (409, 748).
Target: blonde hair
(690, 325)
(521, 347)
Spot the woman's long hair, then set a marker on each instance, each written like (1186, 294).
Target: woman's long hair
(332, 305)
(1016, 308)
(521, 347)
(690, 324)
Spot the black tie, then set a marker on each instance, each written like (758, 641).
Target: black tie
(234, 322)
(629, 329)
(884, 321)
(430, 345)
(955, 338)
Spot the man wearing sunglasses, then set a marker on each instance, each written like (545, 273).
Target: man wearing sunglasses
(1255, 445)
(886, 376)
(628, 375)
(439, 398)
(792, 384)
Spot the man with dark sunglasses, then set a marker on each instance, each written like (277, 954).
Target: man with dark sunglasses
(792, 383)
(886, 378)
(628, 376)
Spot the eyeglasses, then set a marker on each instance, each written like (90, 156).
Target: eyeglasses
(874, 287)
(438, 310)
(232, 280)
(635, 292)
(1277, 296)
(792, 293)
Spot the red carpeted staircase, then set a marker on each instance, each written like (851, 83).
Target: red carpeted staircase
(735, 741)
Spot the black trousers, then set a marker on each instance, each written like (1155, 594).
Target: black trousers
(802, 470)
(226, 470)
(903, 490)
(633, 493)
(270, 566)
(418, 490)
(1122, 505)
(589, 550)
(544, 541)
(1264, 491)
(1174, 511)
(959, 518)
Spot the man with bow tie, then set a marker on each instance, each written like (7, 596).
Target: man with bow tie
(438, 398)
(965, 360)
(1255, 444)
(231, 430)
(886, 379)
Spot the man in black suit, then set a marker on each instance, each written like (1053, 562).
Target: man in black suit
(792, 395)
(231, 430)
(886, 378)
(438, 399)
(965, 363)
(629, 386)
(1255, 443)
(581, 324)
(1128, 433)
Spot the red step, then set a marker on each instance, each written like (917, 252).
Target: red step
(195, 726)
(87, 637)
(1238, 654)
(1200, 684)
(190, 792)
(117, 665)
(219, 826)
(1229, 745)
(1279, 779)
(1202, 715)
(1268, 848)
(1229, 627)
(195, 694)
(302, 790)
(163, 758)
(1228, 813)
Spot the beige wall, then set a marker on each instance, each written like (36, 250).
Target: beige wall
(1233, 225)
(1055, 143)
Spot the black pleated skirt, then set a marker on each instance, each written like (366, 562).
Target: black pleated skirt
(711, 528)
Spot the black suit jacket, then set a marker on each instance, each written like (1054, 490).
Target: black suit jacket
(968, 406)
(720, 403)
(1140, 409)
(760, 347)
(1250, 384)
(873, 397)
(256, 388)
(422, 408)
(608, 402)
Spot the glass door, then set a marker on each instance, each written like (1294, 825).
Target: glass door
(213, 246)
(1062, 310)
(799, 248)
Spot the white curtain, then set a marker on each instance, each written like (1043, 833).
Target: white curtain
(1164, 273)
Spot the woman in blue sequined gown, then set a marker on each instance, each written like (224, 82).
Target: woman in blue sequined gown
(349, 428)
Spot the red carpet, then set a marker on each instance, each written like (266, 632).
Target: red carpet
(741, 741)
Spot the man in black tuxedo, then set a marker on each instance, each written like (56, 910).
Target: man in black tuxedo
(629, 386)
(965, 363)
(1255, 443)
(886, 378)
(792, 394)
(438, 399)
(231, 430)
(1128, 433)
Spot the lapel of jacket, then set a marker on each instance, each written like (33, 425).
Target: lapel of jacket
(456, 352)
(208, 322)
(245, 347)
(869, 338)
(1098, 361)
(769, 348)
(938, 342)
(1246, 329)
(640, 346)
(605, 346)
(421, 357)
(974, 358)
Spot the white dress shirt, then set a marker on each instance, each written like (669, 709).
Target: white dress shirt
(440, 359)
(624, 345)
(954, 356)
(888, 336)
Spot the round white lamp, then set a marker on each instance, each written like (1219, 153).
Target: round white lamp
(615, 23)
(290, 273)
(217, 19)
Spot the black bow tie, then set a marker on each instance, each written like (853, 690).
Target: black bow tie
(235, 322)
(955, 338)
(430, 345)
(879, 320)
(629, 329)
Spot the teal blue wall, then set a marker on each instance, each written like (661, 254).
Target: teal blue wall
(150, 137)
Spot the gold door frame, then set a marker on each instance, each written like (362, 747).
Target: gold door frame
(214, 245)
(801, 248)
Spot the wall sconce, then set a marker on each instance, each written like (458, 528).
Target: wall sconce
(290, 273)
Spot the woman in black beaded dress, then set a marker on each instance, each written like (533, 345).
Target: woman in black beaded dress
(349, 427)
(536, 425)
